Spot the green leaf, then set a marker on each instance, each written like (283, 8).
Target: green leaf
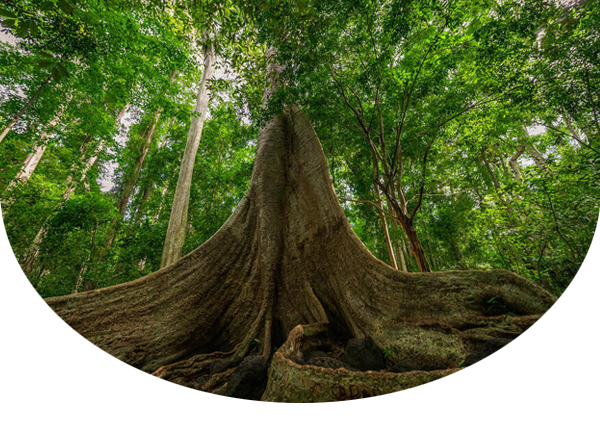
(65, 7)
(45, 63)
(63, 70)
(47, 6)
(55, 74)
(33, 29)
(22, 30)
(7, 13)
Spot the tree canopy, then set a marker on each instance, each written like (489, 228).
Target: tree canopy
(459, 135)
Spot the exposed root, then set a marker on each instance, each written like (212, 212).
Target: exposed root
(287, 269)
(293, 382)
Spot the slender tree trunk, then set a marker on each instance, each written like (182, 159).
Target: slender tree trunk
(416, 247)
(410, 232)
(34, 248)
(386, 234)
(179, 211)
(384, 224)
(34, 157)
(401, 253)
(133, 178)
(19, 114)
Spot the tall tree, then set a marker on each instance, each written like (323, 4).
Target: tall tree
(179, 211)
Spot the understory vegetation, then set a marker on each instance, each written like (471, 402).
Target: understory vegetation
(474, 122)
(239, 171)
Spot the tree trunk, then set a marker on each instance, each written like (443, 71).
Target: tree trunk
(402, 253)
(179, 212)
(34, 248)
(132, 180)
(19, 114)
(33, 158)
(416, 247)
(286, 270)
(384, 224)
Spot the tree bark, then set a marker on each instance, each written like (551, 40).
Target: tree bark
(384, 224)
(287, 262)
(19, 114)
(179, 212)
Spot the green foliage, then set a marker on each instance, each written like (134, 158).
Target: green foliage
(444, 96)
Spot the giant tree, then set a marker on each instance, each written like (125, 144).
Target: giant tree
(286, 273)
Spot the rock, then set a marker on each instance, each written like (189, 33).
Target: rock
(582, 297)
(363, 354)
(589, 378)
(569, 342)
(330, 363)
(502, 353)
(543, 370)
(249, 379)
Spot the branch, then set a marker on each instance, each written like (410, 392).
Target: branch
(587, 145)
(414, 82)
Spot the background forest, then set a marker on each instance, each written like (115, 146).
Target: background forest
(459, 134)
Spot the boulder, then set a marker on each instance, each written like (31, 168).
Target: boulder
(502, 353)
(582, 297)
(363, 354)
(569, 342)
(249, 379)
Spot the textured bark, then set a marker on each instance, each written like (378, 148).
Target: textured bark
(19, 114)
(292, 382)
(179, 211)
(288, 257)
